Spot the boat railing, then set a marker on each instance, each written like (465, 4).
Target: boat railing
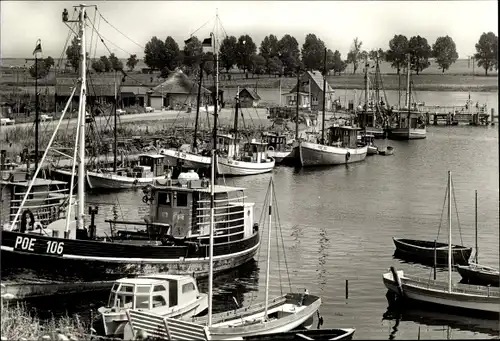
(458, 288)
(223, 200)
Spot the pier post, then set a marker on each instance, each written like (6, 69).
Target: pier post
(346, 289)
(493, 115)
(435, 119)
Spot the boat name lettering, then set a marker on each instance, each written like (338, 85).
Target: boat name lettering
(25, 243)
(180, 154)
(55, 247)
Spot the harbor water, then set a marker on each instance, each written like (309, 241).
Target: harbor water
(337, 225)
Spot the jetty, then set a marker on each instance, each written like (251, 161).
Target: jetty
(453, 115)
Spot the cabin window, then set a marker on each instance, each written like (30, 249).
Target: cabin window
(125, 301)
(188, 287)
(142, 302)
(143, 289)
(159, 288)
(165, 199)
(115, 287)
(127, 288)
(182, 199)
(159, 301)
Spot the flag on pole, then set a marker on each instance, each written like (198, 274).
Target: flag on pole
(38, 48)
(207, 44)
(190, 39)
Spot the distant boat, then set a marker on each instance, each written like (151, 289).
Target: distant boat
(483, 300)
(388, 151)
(423, 251)
(368, 139)
(277, 146)
(316, 334)
(149, 169)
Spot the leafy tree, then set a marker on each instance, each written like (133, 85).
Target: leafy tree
(116, 64)
(192, 53)
(445, 52)
(73, 54)
(258, 64)
(355, 54)
(487, 51)
(106, 62)
(269, 47)
(289, 53)
(396, 55)
(274, 65)
(49, 63)
(228, 52)
(420, 52)
(155, 54)
(313, 52)
(41, 70)
(172, 53)
(208, 63)
(339, 65)
(164, 72)
(245, 48)
(98, 66)
(132, 62)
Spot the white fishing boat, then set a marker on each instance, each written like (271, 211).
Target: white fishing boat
(480, 299)
(280, 314)
(174, 296)
(277, 146)
(368, 139)
(341, 148)
(149, 169)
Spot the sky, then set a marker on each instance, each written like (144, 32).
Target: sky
(337, 23)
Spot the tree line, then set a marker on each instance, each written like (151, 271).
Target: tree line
(283, 56)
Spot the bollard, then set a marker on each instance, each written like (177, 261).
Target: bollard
(346, 289)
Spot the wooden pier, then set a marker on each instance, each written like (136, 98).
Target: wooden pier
(454, 115)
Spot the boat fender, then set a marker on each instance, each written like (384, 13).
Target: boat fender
(347, 156)
(270, 148)
(24, 220)
(398, 281)
(145, 199)
(135, 182)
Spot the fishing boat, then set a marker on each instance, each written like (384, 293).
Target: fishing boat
(480, 299)
(190, 158)
(151, 167)
(173, 239)
(166, 295)
(277, 146)
(254, 158)
(341, 147)
(411, 127)
(474, 273)
(425, 251)
(307, 334)
(368, 140)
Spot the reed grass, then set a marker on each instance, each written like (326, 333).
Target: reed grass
(19, 323)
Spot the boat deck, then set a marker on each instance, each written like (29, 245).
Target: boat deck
(476, 290)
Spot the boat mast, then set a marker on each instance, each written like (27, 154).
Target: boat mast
(449, 232)
(268, 246)
(198, 99)
(115, 137)
(81, 166)
(365, 118)
(212, 180)
(475, 204)
(297, 106)
(236, 121)
(408, 85)
(324, 104)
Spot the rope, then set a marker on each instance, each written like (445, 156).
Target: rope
(282, 240)
(456, 210)
(442, 212)
(100, 14)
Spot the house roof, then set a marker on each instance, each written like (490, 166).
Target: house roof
(315, 77)
(178, 83)
(245, 92)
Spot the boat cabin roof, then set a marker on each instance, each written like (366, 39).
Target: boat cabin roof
(258, 143)
(139, 280)
(268, 134)
(167, 277)
(351, 128)
(193, 186)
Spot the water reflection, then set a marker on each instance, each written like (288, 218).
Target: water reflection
(418, 314)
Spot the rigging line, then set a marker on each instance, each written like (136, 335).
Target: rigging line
(442, 211)
(67, 40)
(109, 41)
(199, 28)
(277, 246)
(223, 29)
(92, 34)
(95, 44)
(456, 210)
(282, 241)
(100, 14)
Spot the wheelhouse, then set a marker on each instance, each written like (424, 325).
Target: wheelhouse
(275, 141)
(344, 136)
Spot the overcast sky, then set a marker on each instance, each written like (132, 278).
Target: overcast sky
(335, 22)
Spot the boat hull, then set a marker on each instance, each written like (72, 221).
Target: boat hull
(313, 154)
(90, 260)
(316, 334)
(407, 134)
(228, 167)
(113, 181)
(421, 251)
(372, 150)
(477, 274)
(438, 296)
(187, 160)
(278, 155)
